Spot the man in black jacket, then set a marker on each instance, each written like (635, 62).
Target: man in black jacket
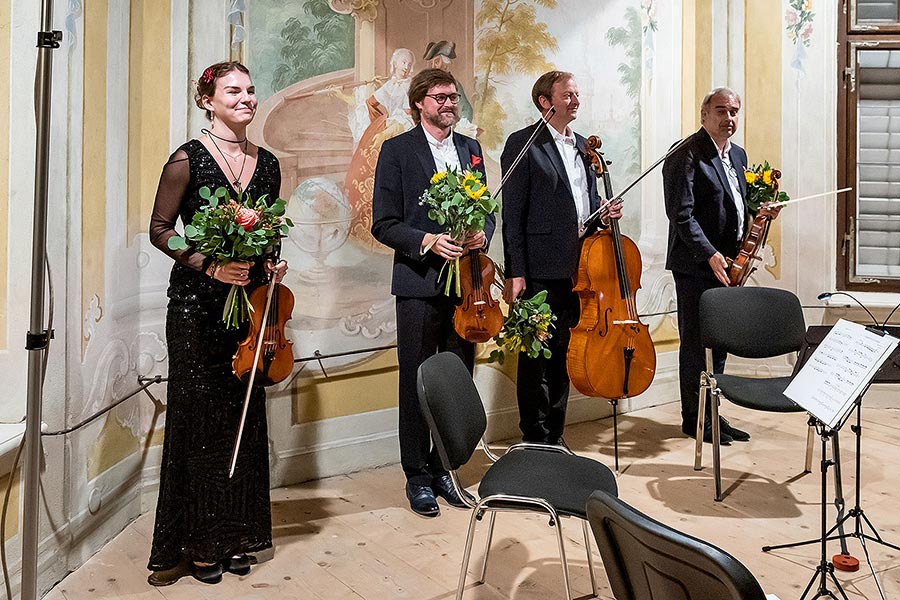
(406, 164)
(706, 202)
(545, 202)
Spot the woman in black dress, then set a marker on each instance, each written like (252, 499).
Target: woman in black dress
(206, 523)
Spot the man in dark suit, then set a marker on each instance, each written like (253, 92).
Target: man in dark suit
(545, 201)
(406, 164)
(706, 202)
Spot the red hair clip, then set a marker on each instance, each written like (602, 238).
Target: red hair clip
(208, 75)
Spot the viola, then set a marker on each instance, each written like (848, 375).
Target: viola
(267, 346)
(611, 354)
(477, 317)
(740, 269)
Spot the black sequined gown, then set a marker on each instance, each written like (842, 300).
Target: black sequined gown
(201, 515)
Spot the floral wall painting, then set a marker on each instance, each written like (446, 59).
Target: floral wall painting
(798, 23)
(325, 117)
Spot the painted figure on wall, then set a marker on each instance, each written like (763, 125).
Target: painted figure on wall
(440, 54)
(388, 113)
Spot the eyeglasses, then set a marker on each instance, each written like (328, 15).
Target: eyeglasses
(443, 98)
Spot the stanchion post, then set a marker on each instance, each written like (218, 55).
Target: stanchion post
(37, 338)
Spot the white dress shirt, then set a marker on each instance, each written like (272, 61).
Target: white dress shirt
(444, 152)
(575, 171)
(732, 176)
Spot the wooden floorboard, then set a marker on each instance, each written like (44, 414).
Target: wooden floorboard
(353, 537)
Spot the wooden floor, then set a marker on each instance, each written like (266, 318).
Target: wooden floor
(353, 537)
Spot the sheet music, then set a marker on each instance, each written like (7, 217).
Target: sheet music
(839, 370)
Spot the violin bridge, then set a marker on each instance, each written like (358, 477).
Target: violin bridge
(480, 303)
(626, 322)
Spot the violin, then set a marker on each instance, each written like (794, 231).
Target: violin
(741, 267)
(477, 317)
(611, 354)
(266, 345)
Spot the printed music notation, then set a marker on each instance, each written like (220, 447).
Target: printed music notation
(839, 370)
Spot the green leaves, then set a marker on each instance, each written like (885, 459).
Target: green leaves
(215, 231)
(176, 242)
(526, 329)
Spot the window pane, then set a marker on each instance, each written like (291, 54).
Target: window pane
(876, 11)
(878, 164)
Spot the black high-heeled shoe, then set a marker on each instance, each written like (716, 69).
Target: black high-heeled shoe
(207, 573)
(239, 565)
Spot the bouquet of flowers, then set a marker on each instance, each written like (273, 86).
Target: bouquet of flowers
(461, 202)
(526, 328)
(762, 186)
(234, 230)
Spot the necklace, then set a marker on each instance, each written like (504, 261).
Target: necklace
(236, 182)
(219, 137)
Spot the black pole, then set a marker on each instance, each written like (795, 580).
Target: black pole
(38, 338)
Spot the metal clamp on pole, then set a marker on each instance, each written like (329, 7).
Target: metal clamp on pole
(38, 341)
(49, 39)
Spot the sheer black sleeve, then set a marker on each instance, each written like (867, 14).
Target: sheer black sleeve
(173, 185)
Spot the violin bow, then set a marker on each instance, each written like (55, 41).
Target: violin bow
(259, 345)
(604, 205)
(545, 118)
(820, 195)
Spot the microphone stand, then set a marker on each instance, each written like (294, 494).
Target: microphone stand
(38, 338)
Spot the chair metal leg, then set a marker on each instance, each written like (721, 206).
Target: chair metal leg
(562, 555)
(487, 545)
(466, 554)
(701, 415)
(810, 433)
(590, 556)
(717, 465)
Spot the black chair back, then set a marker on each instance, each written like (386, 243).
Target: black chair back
(452, 407)
(646, 560)
(751, 322)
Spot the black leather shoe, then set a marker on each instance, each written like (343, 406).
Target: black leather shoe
(724, 438)
(421, 500)
(239, 565)
(207, 573)
(443, 487)
(735, 433)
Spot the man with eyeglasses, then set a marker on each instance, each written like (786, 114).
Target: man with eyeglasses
(406, 164)
(545, 203)
(706, 202)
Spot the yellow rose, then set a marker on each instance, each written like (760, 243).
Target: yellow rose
(438, 176)
(767, 177)
(807, 5)
(750, 176)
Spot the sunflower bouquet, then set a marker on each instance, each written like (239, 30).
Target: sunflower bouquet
(762, 186)
(229, 230)
(526, 328)
(461, 203)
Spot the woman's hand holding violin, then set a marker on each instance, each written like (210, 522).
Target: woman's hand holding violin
(279, 270)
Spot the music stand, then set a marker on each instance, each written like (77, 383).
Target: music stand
(888, 372)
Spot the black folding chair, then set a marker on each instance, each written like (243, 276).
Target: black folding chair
(646, 560)
(750, 322)
(528, 477)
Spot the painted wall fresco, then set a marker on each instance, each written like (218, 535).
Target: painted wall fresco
(326, 120)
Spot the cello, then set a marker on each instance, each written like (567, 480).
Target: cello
(611, 354)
